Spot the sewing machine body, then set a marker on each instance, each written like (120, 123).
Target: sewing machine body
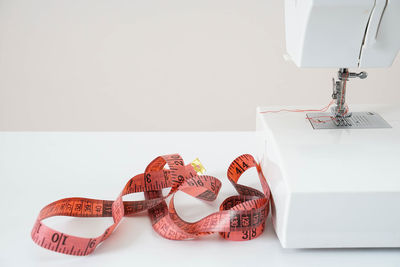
(332, 187)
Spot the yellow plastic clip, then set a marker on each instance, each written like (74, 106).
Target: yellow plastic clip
(197, 166)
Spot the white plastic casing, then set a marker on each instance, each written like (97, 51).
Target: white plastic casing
(342, 33)
(332, 188)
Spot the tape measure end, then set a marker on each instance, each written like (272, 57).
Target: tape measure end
(198, 166)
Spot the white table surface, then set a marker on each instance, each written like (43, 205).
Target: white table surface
(38, 168)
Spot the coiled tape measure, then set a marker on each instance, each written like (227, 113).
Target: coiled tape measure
(240, 217)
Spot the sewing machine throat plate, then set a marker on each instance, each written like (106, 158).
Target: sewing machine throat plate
(358, 120)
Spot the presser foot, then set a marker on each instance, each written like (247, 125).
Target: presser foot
(342, 120)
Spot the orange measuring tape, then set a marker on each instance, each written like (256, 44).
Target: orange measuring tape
(240, 217)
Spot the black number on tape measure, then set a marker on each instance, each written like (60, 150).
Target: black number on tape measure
(253, 232)
(245, 234)
(148, 178)
(178, 162)
(238, 171)
(40, 225)
(92, 243)
(56, 237)
(212, 185)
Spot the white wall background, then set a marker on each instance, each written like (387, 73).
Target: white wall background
(156, 65)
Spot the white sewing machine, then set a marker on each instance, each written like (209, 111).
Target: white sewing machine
(335, 177)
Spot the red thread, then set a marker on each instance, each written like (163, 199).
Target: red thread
(324, 109)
